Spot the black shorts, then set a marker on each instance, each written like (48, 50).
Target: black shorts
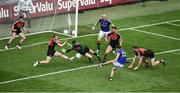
(86, 50)
(17, 32)
(149, 54)
(114, 45)
(50, 52)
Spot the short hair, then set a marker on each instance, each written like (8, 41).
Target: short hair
(54, 35)
(114, 27)
(135, 47)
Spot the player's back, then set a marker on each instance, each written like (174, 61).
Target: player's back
(122, 57)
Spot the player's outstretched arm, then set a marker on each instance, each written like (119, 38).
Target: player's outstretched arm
(69, 50)
(61, 45)
(133, 61)
(93, 27)
(139, 63)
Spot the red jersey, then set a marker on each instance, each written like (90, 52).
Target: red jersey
(143, 52)
(18, 25)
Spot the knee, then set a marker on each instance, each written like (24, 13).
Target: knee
(113, 69)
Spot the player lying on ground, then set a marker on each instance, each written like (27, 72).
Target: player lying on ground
(51, 52)
(83, 50)
(17, 28)
(114, 40)
(105, 25)
(144, 54)
(118, 62)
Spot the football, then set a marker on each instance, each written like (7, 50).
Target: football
(78, 55)
(65, 31)
(73, 32)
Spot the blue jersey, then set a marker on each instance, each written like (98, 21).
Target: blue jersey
(105, 25)
(122, 57)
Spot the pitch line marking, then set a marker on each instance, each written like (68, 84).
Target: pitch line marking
(169, 37)
(30, 34)
(96, 33)
(70, 70)
(173, 24)
(83, 35)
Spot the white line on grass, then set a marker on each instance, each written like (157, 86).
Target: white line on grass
(85, 35)
(169, 37)
(70, 70)
(96, 33)
(27, 34)
(173, 24)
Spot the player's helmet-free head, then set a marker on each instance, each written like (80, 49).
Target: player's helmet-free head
(114, 29)
(104, 17)
(74, 42)
(54, 36)
(134, 48)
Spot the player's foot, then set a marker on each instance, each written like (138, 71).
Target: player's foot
(36, 63)
(71, 59)
(6, 47)
(110, 78)
(163, 62)
(18, 47)
(100, 66)
(97, 51)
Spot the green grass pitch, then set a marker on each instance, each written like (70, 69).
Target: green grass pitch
(72, 77)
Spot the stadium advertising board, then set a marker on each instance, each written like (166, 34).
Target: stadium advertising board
(49, 7)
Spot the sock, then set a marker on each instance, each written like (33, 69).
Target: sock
(98, 45)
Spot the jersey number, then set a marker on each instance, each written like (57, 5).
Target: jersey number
(123, 54)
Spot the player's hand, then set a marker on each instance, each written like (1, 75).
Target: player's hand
(93, 28)
(131, 66)
(136, 68)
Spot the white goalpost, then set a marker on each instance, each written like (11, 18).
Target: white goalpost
(70, 26)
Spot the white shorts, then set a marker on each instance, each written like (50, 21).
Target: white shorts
(102, 33)
(117, 64)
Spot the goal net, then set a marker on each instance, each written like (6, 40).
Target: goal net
(47, 16)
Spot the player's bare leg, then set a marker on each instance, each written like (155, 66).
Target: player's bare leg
(10, 40)
(99, 43)
(112, 73)
(22, 36)
(58, 54)
(154, 63)
(108, 50)
(89, 57)
(48, 59)
(106, 63)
